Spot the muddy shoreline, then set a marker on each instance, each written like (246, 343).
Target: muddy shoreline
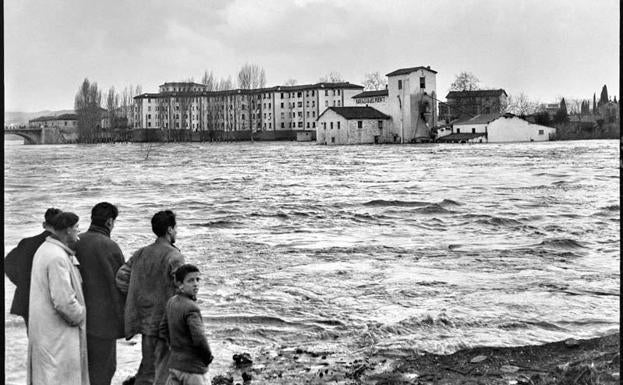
(590, 361)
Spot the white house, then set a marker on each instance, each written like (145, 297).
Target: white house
(351, 125)
(496, 128)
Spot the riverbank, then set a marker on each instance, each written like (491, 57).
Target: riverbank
(590, 361)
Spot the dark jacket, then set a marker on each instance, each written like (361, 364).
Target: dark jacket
(148, 279)
(18, 266)
(182, 326)
(100, 258)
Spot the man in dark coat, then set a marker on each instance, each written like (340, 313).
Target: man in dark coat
(18, 265)
(147, 277)
(100, 258)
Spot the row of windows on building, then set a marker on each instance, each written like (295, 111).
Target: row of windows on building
(194, 107)
(359, 124)
(291, 114)
(269, 126)
(282, 95)
(266, 115)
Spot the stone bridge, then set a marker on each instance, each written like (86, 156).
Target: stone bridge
(44, 135)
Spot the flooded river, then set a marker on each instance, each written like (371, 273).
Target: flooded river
(432, 247)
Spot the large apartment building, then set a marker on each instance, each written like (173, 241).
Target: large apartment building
(191, 107)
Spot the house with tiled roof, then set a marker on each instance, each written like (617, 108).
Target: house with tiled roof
(409, 70)
(495, 128)
(64, 120)
(466, 104)
(351, 125)
(68, 120)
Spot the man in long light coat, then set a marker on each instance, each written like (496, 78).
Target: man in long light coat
(57, 350)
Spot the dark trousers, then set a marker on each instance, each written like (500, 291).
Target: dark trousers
(102, 356)
(154, 367)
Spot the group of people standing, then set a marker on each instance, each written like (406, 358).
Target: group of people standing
(78, 295)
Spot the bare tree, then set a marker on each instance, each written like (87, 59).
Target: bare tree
(87, 105)
(331, 77)
(290, 82)
(251, 76)
(574, 105)
(225, 84)
(130, 106)
(208, 81)
(112, 105)
(521, 105)
(126, 102)
(374, 81)
(185, 98)
(465, 81)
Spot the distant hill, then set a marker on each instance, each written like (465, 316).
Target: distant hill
(22, 118)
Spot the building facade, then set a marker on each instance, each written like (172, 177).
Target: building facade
(496, 128)
(412, 103)
(467, 104)
(351, 125)
(189, 107)
(64, 120)
(375, 99)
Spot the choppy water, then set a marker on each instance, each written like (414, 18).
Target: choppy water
(433, 247)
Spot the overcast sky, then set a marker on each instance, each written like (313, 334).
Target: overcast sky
(545, 49)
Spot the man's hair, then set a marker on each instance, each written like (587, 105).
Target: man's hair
(182, 271)
(102, 211)
(64, 220)
(50, 214)
(161, 221)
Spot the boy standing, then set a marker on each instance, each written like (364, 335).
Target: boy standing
(182, 326)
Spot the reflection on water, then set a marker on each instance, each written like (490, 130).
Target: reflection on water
(433, 247)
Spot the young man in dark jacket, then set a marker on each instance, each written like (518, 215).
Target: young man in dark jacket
(18, 265)
(100, 258)
(147, 277)
(182, 326)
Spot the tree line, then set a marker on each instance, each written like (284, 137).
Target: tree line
(90, 114)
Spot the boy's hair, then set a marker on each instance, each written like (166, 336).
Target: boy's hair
(50, 214)
(161, 221)
(64, 220)
(182, 271)
(102, 211)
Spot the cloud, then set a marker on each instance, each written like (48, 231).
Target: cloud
(541, 48)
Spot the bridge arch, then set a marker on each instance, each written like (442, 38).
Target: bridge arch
(29, 137)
